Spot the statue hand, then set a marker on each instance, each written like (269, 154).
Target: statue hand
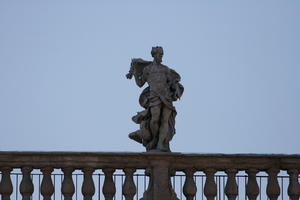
(177, 93)
(129, 75)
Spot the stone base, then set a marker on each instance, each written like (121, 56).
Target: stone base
(160, 187)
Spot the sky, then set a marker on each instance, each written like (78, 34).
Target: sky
(63, 66)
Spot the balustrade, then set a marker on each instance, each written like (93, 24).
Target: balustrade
(160, 167)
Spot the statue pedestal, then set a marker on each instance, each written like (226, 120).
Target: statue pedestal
(160, 187)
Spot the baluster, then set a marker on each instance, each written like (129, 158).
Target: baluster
(294, 187)
(231, 188)
(88, 187)
(6, 187)
(210, 187)
(149, 191)
(68, 188)
(189, 187)
(273, 189)
(109, 188)
(172, 173)
(252, 189)
(47, 188)
(26, 186)
(129, 188)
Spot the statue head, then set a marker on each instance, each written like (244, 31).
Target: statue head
(157, 53)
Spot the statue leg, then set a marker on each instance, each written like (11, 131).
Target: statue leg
(154, 124)
(164, 129)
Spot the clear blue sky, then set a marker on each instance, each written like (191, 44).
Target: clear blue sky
(63, 66)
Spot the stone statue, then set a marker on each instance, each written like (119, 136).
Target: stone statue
(157, 121)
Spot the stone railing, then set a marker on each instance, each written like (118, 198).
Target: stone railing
(158, 166)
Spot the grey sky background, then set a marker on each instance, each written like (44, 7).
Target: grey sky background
(63, 66)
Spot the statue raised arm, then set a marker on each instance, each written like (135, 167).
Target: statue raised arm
(136, 70)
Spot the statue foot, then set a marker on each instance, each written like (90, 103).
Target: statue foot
(135, 136)
(162, 147)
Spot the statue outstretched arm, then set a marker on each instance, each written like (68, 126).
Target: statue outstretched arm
(136, 70)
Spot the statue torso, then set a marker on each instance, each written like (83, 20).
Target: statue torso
(157, 78)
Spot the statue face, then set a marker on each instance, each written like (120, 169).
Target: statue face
(158, 56)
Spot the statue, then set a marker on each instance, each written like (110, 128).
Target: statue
(157, 121)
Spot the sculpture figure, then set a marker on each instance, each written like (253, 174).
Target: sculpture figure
(157, 121)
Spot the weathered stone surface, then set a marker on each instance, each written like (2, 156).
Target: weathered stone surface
(210, 187)
(189, 187)
(109, 188)
(231, 188)
(159, 166)
(6, 187)
(178, 161)
(129, 188)
(294, 186)
(68, 188)
(26, 186)
(252, 189)
(273, 188)
(159, 187)
(88, 186)
(47, 187)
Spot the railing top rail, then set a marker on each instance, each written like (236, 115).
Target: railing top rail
(120, 160)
